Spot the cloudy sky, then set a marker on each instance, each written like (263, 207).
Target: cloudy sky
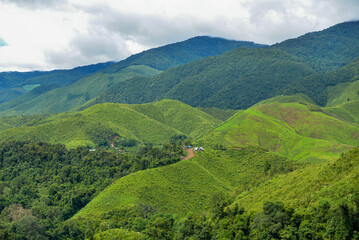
(49, 34)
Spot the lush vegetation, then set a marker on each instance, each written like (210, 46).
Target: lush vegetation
(62, 90)
(36, 207)
(274, 170)
(236, 79)
(154, 123)
(61, 99)
(328, 88)
(185, 186)
(42, 185)
(328, 49)
(275, 221)
(175, 54)
(14, 84)
(240, 78)
(289, 126)
(307, 203)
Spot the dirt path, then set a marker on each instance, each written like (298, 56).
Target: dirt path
(113, 140)
(190, 153)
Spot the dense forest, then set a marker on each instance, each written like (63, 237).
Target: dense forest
(43, 185)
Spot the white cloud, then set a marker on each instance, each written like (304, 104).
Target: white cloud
(47, 34)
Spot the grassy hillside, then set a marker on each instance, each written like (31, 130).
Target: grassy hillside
(328, 49)
(185, 186)
(150, 123)
(298, 130)
(348, 111)
(222, 114)
(175, 54)
(64, 98)
(188, 120)
(236, 79)
(336, 182)
(12, 122)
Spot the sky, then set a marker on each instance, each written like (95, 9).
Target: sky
(62, 34)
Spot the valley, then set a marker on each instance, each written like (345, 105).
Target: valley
(106, 151)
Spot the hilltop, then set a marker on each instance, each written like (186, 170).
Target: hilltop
(185, 186)
(236, 79)
(152, 123)
(328, 49)
(234, 157)
(175, 54)
(289, 126)
(66, 90)
(239, 78)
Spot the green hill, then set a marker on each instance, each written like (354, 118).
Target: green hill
(64, 98)
(152, 123)
(298, 130)
(236, 79)
(75, 93)
(14, 84)
(328, 49)
(179, 53)
(347, 111)
(336, 182)
(327, 89)
(185, 186)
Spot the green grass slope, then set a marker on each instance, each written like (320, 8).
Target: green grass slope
(152, 123)
(13, 122)
(326, 50)
(336, 182)
(186, 186)
(188, 120)
(65, 98)
(347, 111)
(222, 114)
(297, 130)
(236, 79)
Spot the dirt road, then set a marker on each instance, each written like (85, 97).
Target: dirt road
(190, 153)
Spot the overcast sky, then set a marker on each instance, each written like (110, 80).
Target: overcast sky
(50, 34)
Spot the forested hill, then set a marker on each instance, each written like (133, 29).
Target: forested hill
(236, 79)
(56, 97)
(241, 77)
(175, 54)
(14, 84)
(326, 50)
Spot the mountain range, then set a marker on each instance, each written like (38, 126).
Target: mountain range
(278, 125)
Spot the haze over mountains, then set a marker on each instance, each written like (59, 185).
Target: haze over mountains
(278, 124)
